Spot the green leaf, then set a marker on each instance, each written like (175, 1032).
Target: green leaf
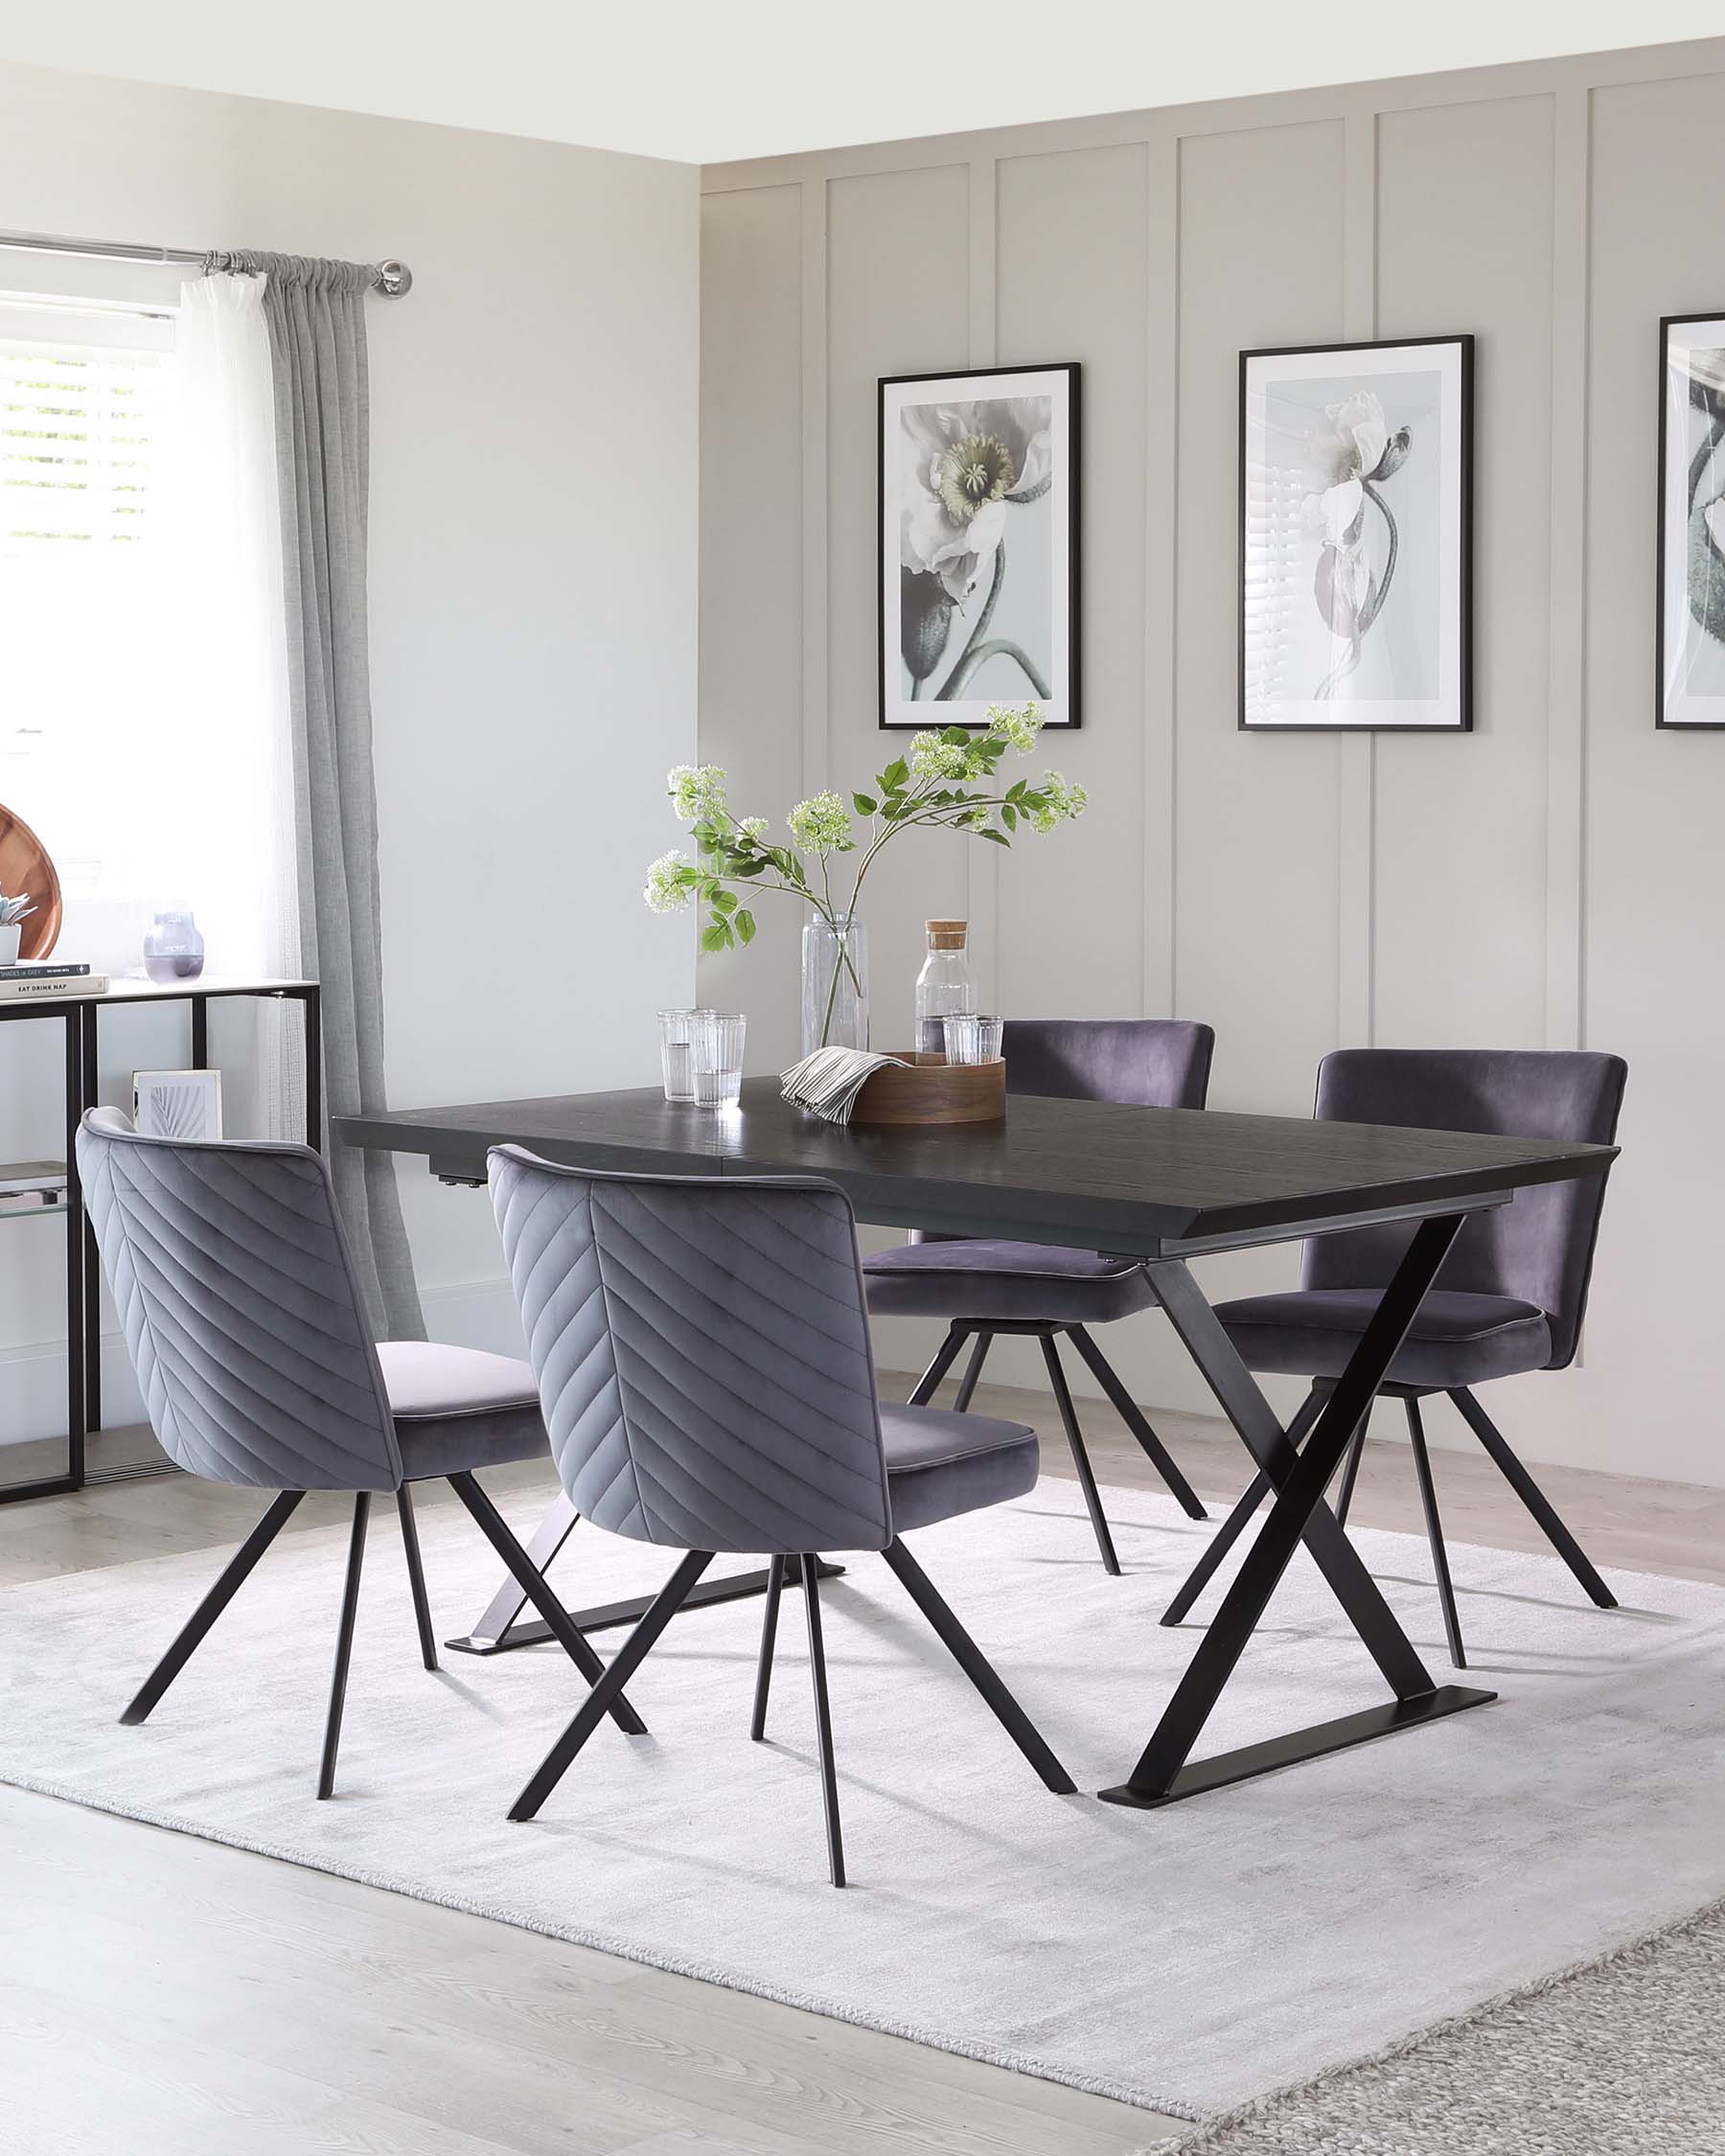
(895, 774)
(1009, 815)
(745, 925)
(1015, 790)
(716, 937)
(956, 737)
(724, 901)
(998, 837)
(865, 804)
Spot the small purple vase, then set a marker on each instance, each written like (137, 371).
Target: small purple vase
(174, 947)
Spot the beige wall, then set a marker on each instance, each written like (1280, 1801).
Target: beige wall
(1554, 878)
(533, 618)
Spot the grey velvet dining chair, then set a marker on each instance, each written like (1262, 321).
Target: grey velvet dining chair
(1510, 1300)
(987, 1287)
(245, 1324)
(704, 1365)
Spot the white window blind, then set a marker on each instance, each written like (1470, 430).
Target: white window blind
(78, 431)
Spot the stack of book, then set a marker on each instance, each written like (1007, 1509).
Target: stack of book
(47, 976)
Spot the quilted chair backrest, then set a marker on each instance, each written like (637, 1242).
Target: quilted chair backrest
(702, 1352)
(241, 1314)
(1539, 1248)
(1138, 1063)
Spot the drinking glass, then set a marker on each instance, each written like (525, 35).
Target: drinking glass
(675, 1052)
(972, 1038)
(716, 1052)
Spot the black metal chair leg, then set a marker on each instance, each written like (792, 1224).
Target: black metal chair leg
(1350, 1473)
(416, 1576)
(604, 1695)
(344, 1644)
(775, 1580)
(1533, 1498)
(973, 1370)
(823, 1720)
(976, 1667)
(1219, 1546)
(929, 1384)
(1087, 1482)
(1133, 1416)
(532, 1584)
(233, 1578)
(1235, 1526)
(1428, 1499)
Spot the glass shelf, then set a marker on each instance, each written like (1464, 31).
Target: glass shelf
(33, 1208)
(41, 1189)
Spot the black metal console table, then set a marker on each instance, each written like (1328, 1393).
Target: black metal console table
(80, 1016)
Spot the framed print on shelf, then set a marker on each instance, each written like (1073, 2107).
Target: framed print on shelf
(177, 1104)
(1690, 610)
(1356, 546)
(978, 536)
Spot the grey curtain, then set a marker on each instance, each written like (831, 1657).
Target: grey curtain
(316, 311)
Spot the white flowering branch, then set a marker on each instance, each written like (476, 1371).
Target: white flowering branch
(948, 780)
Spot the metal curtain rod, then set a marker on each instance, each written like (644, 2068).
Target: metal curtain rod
(391, 278)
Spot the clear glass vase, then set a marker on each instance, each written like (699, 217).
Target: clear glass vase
(835, 984)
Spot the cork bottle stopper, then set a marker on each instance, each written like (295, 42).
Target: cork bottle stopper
(946, 936)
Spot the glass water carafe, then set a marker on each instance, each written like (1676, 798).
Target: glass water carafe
(944, 988)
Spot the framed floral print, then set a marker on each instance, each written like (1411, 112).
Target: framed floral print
(978, 536)
(1356, 553)
(1691, 612)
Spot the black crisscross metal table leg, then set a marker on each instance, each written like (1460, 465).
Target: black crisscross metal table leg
(1164, 1772)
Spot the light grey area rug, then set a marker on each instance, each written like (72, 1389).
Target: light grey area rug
(1622, 2054)
(1186, 1959)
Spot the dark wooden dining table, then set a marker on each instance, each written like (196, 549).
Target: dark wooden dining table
(1162, 1185)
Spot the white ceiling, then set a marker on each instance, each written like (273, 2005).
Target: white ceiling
(709, 79)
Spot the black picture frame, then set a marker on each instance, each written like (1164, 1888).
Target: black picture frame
(894, 714)
(1463, 344)
(1662, 722)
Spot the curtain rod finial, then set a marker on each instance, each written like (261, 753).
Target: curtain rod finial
(394, 278)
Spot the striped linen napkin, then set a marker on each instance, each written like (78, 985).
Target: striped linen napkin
(827, 1082)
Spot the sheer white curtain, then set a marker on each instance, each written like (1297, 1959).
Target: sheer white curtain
(227, 832)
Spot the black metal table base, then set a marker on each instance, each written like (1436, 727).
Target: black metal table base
(1165, 1771)
(1200, 1776)
(604, 1616)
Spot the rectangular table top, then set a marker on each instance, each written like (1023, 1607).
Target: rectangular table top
(1085, 1174)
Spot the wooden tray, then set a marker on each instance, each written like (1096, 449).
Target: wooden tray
(25, 866)
(933, 1090)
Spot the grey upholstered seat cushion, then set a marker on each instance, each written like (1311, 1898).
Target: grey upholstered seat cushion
(985, 1280)
(1457, 1339)
(457, 1408)
(940, 1464)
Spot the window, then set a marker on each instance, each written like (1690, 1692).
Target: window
(85, 620)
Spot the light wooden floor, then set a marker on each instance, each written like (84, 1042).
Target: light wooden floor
(161, 1996)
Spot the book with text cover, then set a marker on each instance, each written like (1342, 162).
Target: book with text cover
(17, 987)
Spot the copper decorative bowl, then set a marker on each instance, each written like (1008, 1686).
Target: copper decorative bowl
(933, 1090)
(25, 866)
